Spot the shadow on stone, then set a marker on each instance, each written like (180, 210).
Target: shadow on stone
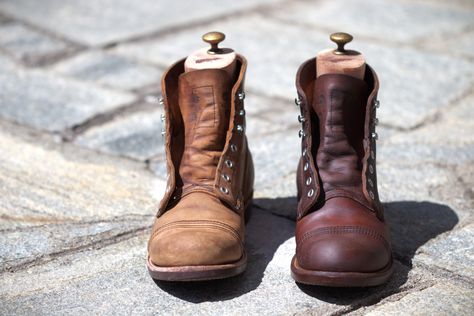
(264, 234)
(412, 224)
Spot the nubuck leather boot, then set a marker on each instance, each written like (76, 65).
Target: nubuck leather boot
(199, 229)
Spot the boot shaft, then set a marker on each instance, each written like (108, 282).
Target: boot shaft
(338, 139)
(205, 143)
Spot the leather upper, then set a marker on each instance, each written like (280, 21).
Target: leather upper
(234, 156)
(200, 220)
(313, 132)
(340, 224)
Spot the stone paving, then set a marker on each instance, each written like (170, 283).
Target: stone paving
(81, 156)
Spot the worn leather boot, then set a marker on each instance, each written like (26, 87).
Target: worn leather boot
(199, 230)
(342, 238)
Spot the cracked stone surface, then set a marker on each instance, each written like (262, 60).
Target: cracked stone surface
(82, 166)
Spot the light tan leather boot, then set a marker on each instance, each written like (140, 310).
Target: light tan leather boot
(199, 230)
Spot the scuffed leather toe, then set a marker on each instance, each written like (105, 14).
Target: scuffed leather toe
(192, 243)
(343, 249)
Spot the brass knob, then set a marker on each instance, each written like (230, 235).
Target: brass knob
(213, 38)
(340, 39)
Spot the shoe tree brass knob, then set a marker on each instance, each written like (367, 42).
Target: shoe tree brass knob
(341, 39)
(213, 39)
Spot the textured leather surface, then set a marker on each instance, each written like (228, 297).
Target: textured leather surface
(340, 224)
(210, 169)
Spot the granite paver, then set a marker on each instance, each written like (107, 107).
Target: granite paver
(40, 99)
(105, 21)
(109, 70)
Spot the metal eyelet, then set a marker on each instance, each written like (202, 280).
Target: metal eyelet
(161, 101)
(301, 133)
(233, 148)
(309, 180)
(371, 183)
(371, 169)
(376, 121)
(298, 101)
(229, 163)
(162, 117)
(306, 166)
(301, 119)
(305, 151)
(242, 112)
(240, 129)
(311, 193)
(241, 95)
(372, 196)
(374, 135)
(163, 132)
(224, 190)
(372, 154)
(225, 177)
(377, 104)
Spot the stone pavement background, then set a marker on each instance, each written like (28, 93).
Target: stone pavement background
(81, 157)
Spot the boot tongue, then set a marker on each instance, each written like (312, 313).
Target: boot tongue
(340, 102)
(204, 101)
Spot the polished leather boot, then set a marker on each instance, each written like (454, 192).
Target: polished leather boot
(342, 238)
(199, 230)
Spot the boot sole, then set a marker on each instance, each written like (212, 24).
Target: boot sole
(197, 273)
(340, 279)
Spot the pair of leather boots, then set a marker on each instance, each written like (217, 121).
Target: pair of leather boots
(342, 238)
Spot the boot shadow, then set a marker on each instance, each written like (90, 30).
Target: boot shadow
(412, 224)
(264, 234)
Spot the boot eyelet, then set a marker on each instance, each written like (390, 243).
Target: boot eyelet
(233, 148)
(241, 95)
(225, 177)
(311, 193)
(301, 133)
(229, 163)
(224, 190)
(163, 132)
(301, 119)
(240, 129)
(309, 180)
(376, 121)
(298, 101)
(162, 117)
(242, 112)
(306, 166)
(372, 196)
(371, 183)
(374, 135)
(304, 152)
(372, 154)
(377, 104)
(371, 169)
(161, 101)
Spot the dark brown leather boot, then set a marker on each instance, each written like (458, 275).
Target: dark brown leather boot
(342, 238)
(199, 230)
